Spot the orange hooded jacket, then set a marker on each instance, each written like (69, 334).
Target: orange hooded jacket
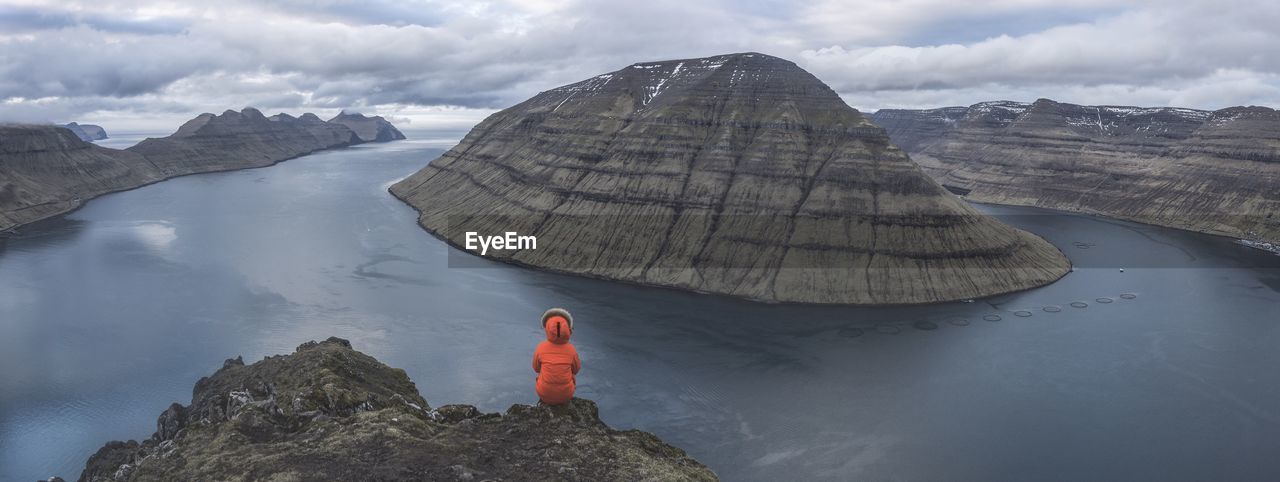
(556, 362)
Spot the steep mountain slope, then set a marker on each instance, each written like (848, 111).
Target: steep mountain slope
(1216, 172)
(370, 129)
(738, 174)
(328, 412)
(47, 170)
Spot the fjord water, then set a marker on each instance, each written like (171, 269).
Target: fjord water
(1167, 371)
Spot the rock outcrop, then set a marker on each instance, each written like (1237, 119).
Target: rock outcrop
(738, 174)
(370, 129)
(87, 132)
(328, 412)
(46, 170)
(1210, 171)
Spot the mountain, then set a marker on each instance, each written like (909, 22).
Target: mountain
(737, 174)
(328, 412)
(1210, 171)
(87, 132)
(47, 170)
(370, 129)
(236, 140)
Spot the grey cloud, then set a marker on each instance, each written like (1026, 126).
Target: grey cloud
(976, 26)
(74, 109)
(369, 12)
(125, 55)
(1136, 48)
(24, 19)
(161, 26)
(76, 62)
(289, 100)
(18, 19)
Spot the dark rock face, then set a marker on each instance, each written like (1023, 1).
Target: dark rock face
(328, 412)
(737, 174)
(47, 170)
(1215, 172)
(87, 132)
(370, 129)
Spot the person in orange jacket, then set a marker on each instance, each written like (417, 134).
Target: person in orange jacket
(556, 360)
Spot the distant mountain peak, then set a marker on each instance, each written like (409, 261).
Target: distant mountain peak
(344, 114)
(368, 128)
(86, 132)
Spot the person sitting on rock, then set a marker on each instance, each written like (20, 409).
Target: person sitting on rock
(556, 360)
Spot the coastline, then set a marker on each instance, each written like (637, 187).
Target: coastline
(1259, 244)
(764, 301)
(78, 203)
(1262, 245)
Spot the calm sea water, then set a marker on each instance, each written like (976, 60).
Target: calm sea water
(1166, 371)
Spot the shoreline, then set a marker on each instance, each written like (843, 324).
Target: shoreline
(76, 204)
(1262, 245)
(452, 245)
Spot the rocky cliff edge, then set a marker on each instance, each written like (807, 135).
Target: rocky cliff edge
(329, 412)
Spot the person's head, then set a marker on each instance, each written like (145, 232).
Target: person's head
(558, 324)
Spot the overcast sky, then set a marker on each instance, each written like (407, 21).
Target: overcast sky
(137, 65)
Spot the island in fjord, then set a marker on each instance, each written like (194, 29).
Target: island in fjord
(49, 170)
(328, 412)
(738, 174)
(87, 132)
(369, 129)
(1216, 172)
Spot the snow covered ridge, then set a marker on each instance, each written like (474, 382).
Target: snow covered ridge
(1246, 114)
(652, 79)
(1088, 120)
(947, 115)
(1106, 119)
(568, 92)
(1011, 107)
(652, 91)
(661, 76)
(590, 85)
(1126, 111)
(1018, 108)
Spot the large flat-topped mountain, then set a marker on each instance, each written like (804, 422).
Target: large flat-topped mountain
(1208, 171)
(736, 174)
(47, 170)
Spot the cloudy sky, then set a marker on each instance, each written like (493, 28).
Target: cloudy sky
(138, 65)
